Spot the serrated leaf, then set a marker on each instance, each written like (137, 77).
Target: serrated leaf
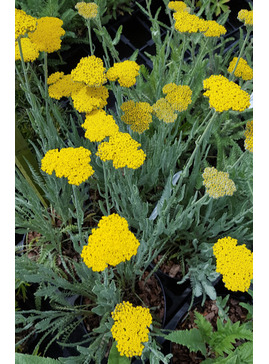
(115, 357)
(190, 338)
(32, 359)
(117, 37)
(204, 326)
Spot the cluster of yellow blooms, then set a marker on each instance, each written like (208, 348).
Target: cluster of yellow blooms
(217, 183)
(235, 263)
(61, 85)
(125, 72)
(246, 16)
(191, 23)
(87, 10)
(99, 125)
(137, 115)
(164, 111)
(224, 94)
(23, 23)
(109, 244)
(179, 97)
(72, 163)
(122, 150)
(47, 35)
(242, 69)
(89, 70)
(249, 136)
(130, 328)
(86, 99)
(29, 50)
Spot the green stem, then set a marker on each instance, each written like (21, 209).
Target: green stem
(231, 78)
(88, 22)
(238, 160)
(106, 188)
(46, 83)
(182, 58)
(200, 56)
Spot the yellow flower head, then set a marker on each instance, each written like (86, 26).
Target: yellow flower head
(186, 23)
(246, 16)
(23, 23)
(242, 69)
(99, 125)
(177, 6)
(89, 70)
(164, 111)
(122, 150)
(235, 263)
(47, 35)
(30, 51)
(87, 99)
(87, 10)
(210, 28)
(72, 163)
(249, 136)
(179, 97)
(218, 183)
(61, 85)
(137, 115)
(125, 72)
(224, 94)
(131, 328)
(109, 244)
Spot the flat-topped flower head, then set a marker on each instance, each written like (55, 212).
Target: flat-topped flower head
(24, 23)
(99, 125)
(246, 16)
(48, 33)
(186, 23)
(225, 95)
(87, 10)
(61, 85)
(164, 111)
(125, 72)
(217, 183)
(109, 244)
(30, 51)
(87, 99)
(235, 263)
(122, 150)
(137, 115)
(178, 6)
(242, 69)
(249, 136)
(210, 28)
(130, 328)
(72, 163)
(89, 70)
(179, 97)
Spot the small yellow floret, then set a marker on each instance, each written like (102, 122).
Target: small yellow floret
(61, 85)
(89, 70)
(186, 23)
(242, 69)
(87, 99)
(211, 28)
(177, 6)
(109, 244)
(164, 111)
(87, 10)
(137, 115)
(235, 263)
(122, 150)
(131, 328)
(125, 72)
(249, 136)
(246, 16)
(217, 183)
(99, 125)
(179, 97)
(23, 23)
(30, 51)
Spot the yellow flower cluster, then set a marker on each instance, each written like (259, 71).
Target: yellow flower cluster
(86, 99)
(87, 10)
(218, 183)
(177, 6)
(242, 69)
(130, 328)
(61, 85)
(109, 244)
(89, 70)
(47, 35)
(164, 111)
(30, 51)
(137, 115)
(235, 263)
(249, 136)
(72, 163)
(125, 72)
(99, 125)
(179, 97)
(246, 16)
(224, 94)
(210, 28)
(23, 23)
(122, 150)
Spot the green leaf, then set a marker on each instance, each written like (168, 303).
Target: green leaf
(117, 37)
(115, 357)
(32, 359)
(204, 326)
(190, 338)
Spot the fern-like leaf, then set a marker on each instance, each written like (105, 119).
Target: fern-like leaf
(193, 339)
